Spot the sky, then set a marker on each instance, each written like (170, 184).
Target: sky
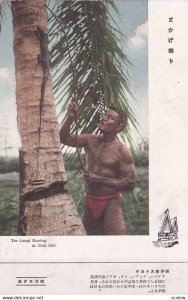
(133, 22)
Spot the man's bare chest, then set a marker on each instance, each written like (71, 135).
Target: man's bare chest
(104, 155)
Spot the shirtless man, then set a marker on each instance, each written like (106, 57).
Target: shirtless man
(109, 171)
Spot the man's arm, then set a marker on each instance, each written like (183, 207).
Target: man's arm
(65, 136)
(125, 182)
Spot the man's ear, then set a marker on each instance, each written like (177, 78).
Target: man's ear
(120, 127)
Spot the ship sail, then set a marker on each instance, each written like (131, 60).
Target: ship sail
(174, 224)
(166, 226)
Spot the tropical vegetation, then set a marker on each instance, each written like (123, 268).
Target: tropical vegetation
(87, 61)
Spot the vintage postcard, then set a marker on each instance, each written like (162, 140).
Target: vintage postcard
(93, 148)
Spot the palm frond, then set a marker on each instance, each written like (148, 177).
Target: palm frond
(101, 68)
(99, 72)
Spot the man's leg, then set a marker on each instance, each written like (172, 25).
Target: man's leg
(113, 221)
(92, 226)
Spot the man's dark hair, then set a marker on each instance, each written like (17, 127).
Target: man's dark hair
(122, 115)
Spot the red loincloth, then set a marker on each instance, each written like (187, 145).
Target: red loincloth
(99, 203)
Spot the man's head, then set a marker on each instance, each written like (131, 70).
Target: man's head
(114, 120)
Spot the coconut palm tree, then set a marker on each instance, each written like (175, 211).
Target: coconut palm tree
(45, 208)
(86, 60)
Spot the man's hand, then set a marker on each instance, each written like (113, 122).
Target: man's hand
(122, 184)
(91, 178)
(72, 108)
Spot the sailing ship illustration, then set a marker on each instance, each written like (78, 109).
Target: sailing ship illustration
(168, 233)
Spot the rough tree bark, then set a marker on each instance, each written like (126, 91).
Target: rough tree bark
(45, 207)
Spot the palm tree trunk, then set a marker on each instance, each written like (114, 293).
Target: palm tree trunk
(45, 207)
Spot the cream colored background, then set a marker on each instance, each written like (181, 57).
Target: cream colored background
(168, 123)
